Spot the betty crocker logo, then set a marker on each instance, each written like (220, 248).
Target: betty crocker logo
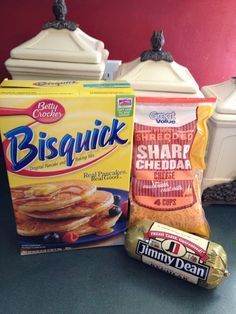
(44, 111)
(47, 111)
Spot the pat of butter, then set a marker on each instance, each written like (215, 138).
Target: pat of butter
(43, 190)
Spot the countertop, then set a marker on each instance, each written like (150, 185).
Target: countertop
(106, 280)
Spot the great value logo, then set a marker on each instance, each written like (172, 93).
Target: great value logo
(163, 117)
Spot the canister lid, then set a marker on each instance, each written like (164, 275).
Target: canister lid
(225, 93)
(62, 41)
(157, 71)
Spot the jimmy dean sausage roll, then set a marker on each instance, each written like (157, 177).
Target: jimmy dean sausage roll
(184, 255)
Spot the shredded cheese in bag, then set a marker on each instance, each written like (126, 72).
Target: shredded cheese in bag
(170, 141)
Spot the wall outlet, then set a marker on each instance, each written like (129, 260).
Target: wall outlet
(111, 69)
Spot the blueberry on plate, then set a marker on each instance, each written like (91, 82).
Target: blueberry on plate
(114, 211)
(51, 237)
(117, 200)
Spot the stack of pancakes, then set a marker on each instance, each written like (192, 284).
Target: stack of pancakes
(63, 207)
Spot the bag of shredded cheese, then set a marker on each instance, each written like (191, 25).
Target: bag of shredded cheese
(170, 141)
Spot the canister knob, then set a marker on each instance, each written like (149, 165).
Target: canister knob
(156, 54)
(59, 9)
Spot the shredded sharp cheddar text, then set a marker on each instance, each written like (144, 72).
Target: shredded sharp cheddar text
(169, 147)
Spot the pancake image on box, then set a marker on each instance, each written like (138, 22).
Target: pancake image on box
(49, 196)
(63, 207)
(99, 201)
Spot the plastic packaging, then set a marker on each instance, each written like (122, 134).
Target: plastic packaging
(168, 160)
(179, 253)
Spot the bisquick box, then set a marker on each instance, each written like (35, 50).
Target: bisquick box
(68, 154)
